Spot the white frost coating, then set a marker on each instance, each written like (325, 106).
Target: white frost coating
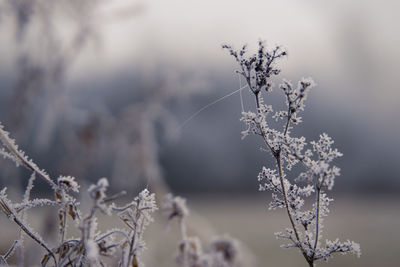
(315, 157)
(92, 251)
(92, 244)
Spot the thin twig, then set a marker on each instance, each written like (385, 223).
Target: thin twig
(27, 231)
(317, 209)
(10, 251)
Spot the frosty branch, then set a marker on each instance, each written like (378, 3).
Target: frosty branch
(123, 245)
(318, 175)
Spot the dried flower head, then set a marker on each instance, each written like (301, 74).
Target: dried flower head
(227, 247)
(68, 183)
(175, 206)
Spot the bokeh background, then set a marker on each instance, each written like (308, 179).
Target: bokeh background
(108, 88)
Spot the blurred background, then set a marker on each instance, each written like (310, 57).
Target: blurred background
(108, 88)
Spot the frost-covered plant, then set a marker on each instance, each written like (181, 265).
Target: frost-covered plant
(122, 245)
(319, 174)
(222, 252)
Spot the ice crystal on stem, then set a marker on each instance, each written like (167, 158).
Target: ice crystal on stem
(319, 174)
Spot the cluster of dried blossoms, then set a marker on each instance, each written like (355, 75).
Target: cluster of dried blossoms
(222, 252)
(123, 245)
(319, 173)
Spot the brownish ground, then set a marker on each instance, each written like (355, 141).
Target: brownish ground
(373, 222)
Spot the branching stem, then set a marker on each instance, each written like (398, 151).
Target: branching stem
(277, 155)
(281, 177)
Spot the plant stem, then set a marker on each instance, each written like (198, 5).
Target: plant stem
(5, 207)
(35, 238)
(262, 132)
(277, 155)
(10, 251)
(279, 163)
(288, 122)
(318, 196)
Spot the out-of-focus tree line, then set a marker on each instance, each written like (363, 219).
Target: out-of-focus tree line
(126, 125)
